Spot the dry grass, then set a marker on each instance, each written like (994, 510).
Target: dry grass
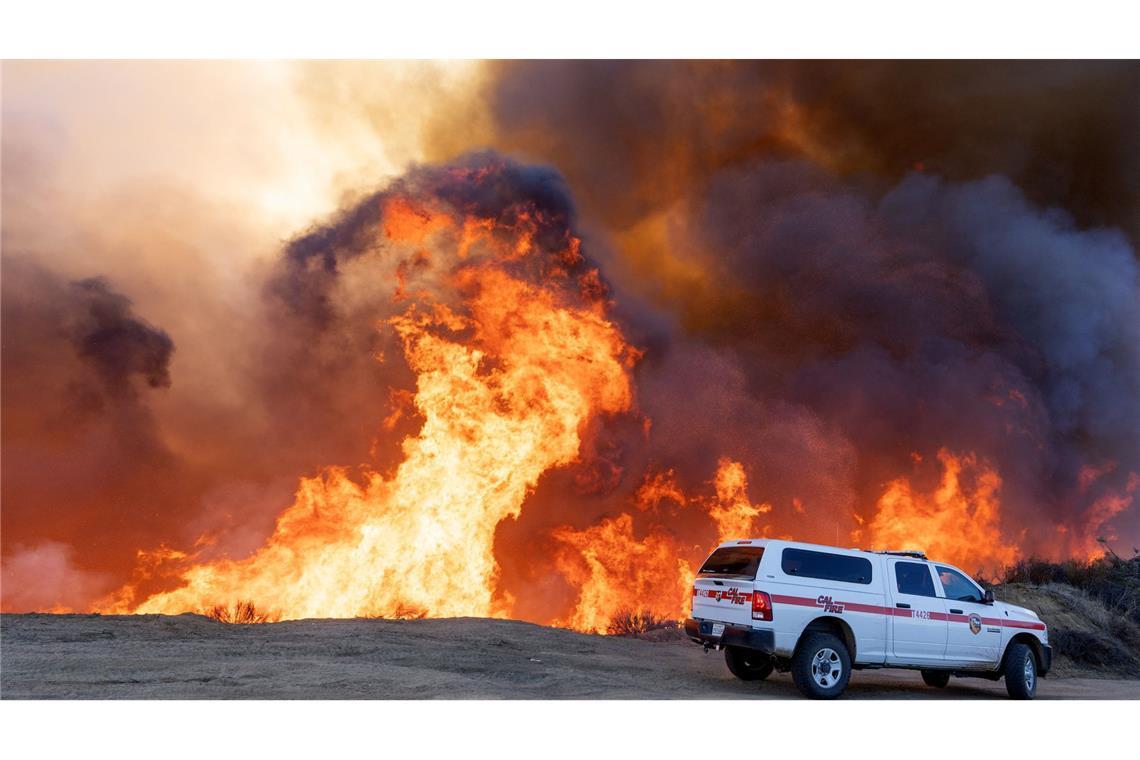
(240, 613)
(1087, 635)
(1110, 579)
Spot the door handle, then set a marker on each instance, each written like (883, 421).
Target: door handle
(956, 612)
(904, 605)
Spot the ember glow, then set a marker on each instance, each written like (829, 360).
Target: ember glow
(544, 387)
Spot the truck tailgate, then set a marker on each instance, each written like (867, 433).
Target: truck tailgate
(726, 600)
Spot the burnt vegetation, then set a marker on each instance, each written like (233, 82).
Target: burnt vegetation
(641, 624)
(239, 613)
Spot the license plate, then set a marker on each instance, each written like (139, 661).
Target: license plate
(718, 629)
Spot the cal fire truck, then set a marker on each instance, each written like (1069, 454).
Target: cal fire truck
(821, 612)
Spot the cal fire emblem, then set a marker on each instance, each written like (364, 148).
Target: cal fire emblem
(975, 623)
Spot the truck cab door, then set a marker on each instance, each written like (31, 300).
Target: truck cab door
(918, 615)
(974, 636)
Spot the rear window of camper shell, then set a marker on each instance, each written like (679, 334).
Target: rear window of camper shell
(737, 561)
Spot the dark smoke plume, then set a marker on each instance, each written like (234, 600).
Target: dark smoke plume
(938, 314)
(876, 259)
(79, 435)
(82, 343)
(116, 343)
(632, 136)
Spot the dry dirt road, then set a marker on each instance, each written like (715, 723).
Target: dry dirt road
(191, 657)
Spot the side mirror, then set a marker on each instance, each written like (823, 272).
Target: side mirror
(988, 597)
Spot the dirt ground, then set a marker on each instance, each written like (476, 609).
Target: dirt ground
(192, 657)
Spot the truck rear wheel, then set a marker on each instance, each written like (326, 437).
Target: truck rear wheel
(936, 678)
(748, 664)
(1020, 671)
(821, 666)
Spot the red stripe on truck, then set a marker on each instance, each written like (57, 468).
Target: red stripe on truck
(731, 595)
(875, 609)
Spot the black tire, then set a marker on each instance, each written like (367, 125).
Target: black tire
(1020, 670)
(816, 650)
(936, 678)
(748, 664)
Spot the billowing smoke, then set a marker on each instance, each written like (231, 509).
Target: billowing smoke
(934, 315)
(80, 371)
(881, 260)
(632, 136)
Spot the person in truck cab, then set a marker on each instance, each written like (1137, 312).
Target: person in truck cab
(821, 612)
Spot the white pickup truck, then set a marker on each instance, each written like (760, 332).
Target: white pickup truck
(821, 612)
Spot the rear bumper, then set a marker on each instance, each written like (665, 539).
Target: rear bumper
(700, 631)
(1046, 658)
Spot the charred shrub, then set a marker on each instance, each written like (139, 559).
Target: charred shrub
(239, 613)
(641, 624)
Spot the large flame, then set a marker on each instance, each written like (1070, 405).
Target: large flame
(505, 328)
(1084, 538)
(504, 385)
(734, 515)
(958, 523)
(618, 573)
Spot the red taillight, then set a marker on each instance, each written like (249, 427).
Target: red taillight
(761, 605)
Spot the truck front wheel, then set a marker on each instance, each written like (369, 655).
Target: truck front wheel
(1020, 671)
(821, 666)
(748, 664)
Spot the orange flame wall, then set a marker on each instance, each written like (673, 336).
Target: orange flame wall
(504, 388)
(507, 379)
(518, 363)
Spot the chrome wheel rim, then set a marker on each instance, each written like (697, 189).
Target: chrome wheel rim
(826, 667)
(1030, 673)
